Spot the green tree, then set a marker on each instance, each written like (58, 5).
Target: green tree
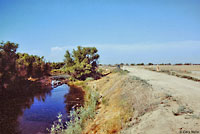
(68, 59)
(57, 65)
(32, 65)
(8, 58)
(18, 66)
(82, 63)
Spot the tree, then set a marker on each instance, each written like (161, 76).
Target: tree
(56, 65)
(82, 63)
(18, 66)
(8, 58)
(32, 65)
(150, 64)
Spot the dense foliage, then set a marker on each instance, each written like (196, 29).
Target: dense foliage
(32, 65)
(82, 63)
(14, 65)
(57, 65)
(8, 59)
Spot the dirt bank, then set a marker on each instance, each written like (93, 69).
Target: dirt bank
(120, 102)
(177, 107)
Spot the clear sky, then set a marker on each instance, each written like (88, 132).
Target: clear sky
(129, 31)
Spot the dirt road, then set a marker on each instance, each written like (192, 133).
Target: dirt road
(178, 112)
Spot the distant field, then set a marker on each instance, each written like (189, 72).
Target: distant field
(183, 70)
(177, 67)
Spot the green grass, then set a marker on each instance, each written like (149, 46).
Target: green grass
(89, 79)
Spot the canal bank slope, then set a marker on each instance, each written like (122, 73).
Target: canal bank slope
(145, 102)
(122, 100)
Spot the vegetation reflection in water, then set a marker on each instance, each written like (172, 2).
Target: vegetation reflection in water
(32, 107)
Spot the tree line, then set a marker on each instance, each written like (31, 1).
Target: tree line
(14, 65)
(80, 64)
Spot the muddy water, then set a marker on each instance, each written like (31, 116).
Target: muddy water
(25, 112)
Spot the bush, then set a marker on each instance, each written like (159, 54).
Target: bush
(150, 64)
(118, 70)
(140, 64)
(100, 70)
(78, 117)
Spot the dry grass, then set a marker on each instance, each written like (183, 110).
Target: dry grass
(183, 68)
(122, 99)
(191, 72)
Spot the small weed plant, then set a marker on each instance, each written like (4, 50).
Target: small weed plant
(119, 70)
(78, 117)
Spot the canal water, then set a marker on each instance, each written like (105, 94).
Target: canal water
(33, 113)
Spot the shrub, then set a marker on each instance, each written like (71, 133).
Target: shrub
(150, 64)
(140, 64)
(178, 64)
(118, 70)
(78, 117)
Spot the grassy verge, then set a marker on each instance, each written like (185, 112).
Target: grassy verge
(124, 99)
(120, 71)
(115, 108)
(80, 116)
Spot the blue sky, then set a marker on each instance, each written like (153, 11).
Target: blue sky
(129, 31)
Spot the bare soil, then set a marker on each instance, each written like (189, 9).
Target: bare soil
(188, 71)
(123, 99)
(175, 103)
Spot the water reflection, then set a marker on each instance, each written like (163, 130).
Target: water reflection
(14, 100)
(31, 107)
(42, 113)
(75, 98)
